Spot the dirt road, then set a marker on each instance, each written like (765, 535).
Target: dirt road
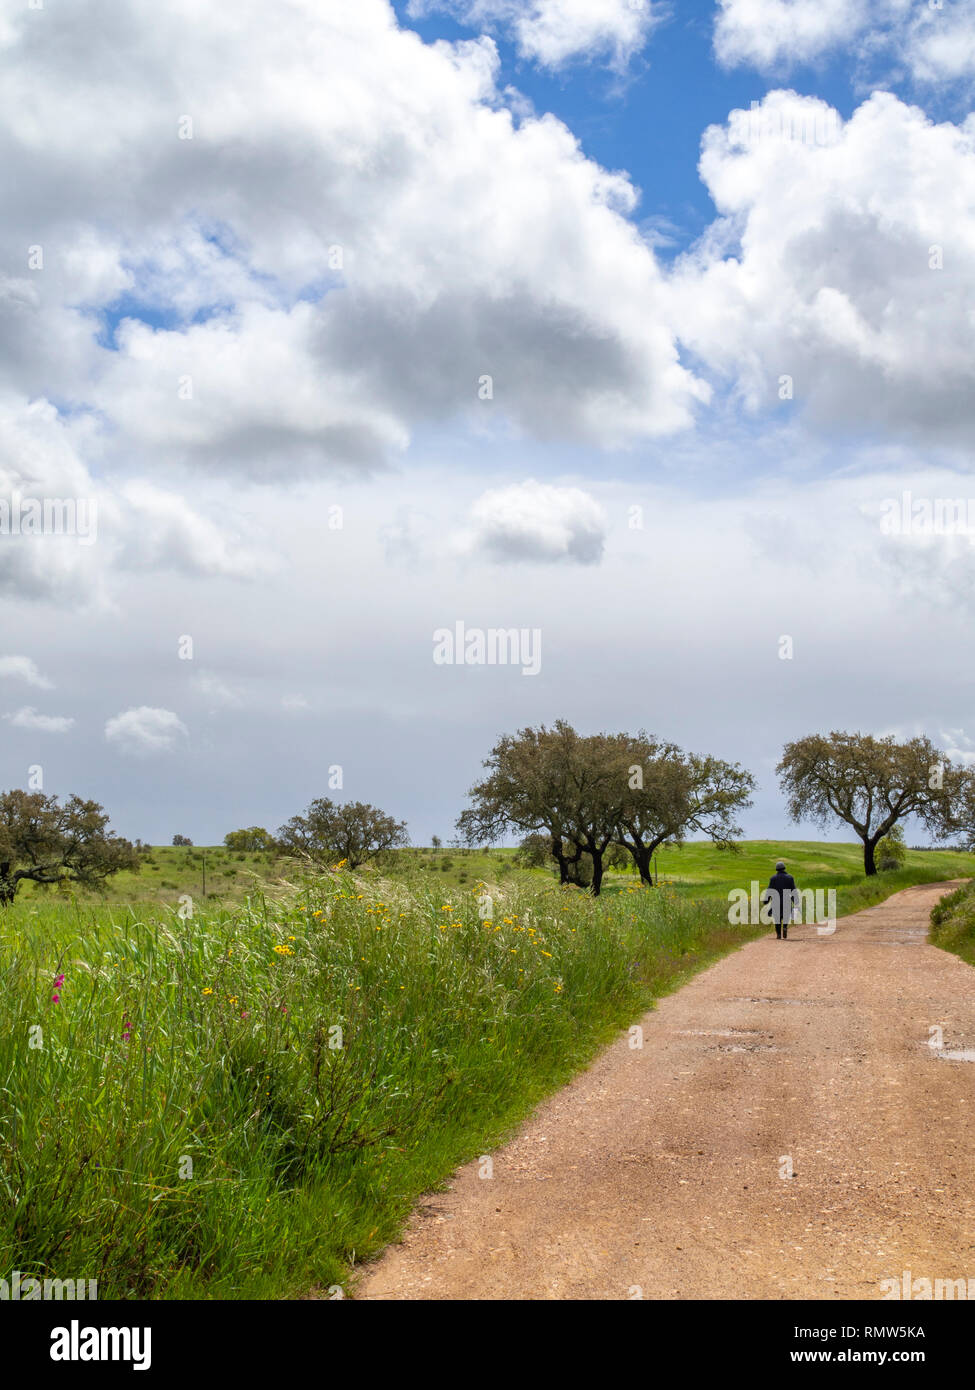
(663, 1171)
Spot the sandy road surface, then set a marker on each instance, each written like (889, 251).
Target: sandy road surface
(660, 1167)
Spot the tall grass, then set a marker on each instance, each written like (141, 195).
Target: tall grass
(244, 1103)
(953, 923)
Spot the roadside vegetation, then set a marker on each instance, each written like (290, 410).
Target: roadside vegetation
(953, 923)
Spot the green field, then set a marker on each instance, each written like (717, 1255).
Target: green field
(695, 870)
(700, 870)
(247, 1102)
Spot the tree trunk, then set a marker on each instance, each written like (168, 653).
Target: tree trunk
(8, 886)
(643, 859)
(597, 871)
(561, 860)
(869, 864)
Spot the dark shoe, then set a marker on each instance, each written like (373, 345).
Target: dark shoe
(778, 936)
(785, 933)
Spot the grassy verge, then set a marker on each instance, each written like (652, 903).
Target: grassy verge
(953, 923)
(248, 1103)
(242, 1104)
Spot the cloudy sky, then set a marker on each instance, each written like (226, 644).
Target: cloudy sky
(330, 326)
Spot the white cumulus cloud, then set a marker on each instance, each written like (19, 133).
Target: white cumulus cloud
(326, 264)
(145, 730)
(554, 32)
(836, 277)
(536, 521)
(933, 42)
(767, 33)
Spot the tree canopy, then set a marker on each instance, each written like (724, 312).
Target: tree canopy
(870, 784)
(669, 793)
(963, 814)
(588, 798)
(352, 831)
(44, 841)
(254, 840)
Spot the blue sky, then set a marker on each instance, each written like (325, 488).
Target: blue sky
(649, 122)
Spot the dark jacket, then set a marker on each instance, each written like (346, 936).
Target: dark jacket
(782, 894)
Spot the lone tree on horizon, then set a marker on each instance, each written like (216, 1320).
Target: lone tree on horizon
(352, 831)
(870, 784)
(586, 800)
(46, 842)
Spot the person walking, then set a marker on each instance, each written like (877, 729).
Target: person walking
(781, 895)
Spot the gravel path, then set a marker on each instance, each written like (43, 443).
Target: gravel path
(662, 1172)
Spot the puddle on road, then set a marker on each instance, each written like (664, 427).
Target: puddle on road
(890, 943)
(762, 999)
(722, 1033)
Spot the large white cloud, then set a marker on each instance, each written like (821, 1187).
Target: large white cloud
(822, 276)
(357, 232)
(554, 32)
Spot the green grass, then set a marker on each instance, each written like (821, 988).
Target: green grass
(185, 1130)
(953, 923)
(703, 871)
(166, 873)
(452, 1028)
(696, 870)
